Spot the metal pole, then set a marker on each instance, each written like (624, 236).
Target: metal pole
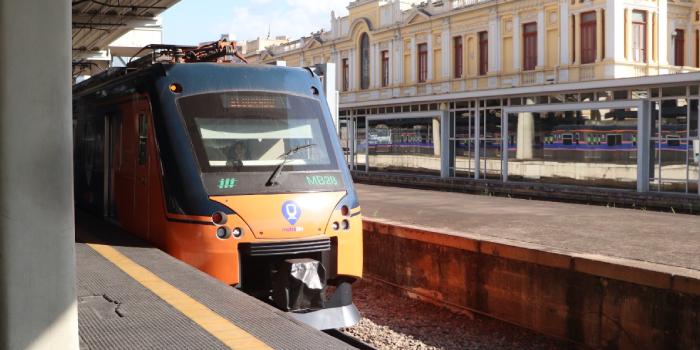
(643, 147)
(445, 153)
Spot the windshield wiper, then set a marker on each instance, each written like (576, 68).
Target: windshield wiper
(284, 156)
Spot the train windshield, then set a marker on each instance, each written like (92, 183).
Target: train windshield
(243, 131)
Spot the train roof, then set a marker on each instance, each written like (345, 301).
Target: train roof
(120, 76)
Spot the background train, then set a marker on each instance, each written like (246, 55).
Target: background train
(235, 169)
(565, 137)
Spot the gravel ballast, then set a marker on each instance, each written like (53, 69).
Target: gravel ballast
(393, 321)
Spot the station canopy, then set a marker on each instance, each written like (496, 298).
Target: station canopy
(97, 23)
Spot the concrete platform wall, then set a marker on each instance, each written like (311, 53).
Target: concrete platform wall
(593, 300)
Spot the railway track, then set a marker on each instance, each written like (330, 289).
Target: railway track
(348, 339)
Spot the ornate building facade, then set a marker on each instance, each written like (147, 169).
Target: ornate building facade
(417, 78)
(393, 48)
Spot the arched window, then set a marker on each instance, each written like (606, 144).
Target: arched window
(364, 61)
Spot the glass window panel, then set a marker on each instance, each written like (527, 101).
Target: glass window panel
(404, 145)
(673, 91)
(584, 147)
(462, 104)
(637, 94)
(673, 147)
(605, 95)
(587, 97)
(557, 98)
(493, 103)
(620, 94)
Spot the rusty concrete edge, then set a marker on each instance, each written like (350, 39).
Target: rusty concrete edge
(461, 309)
(643, 273)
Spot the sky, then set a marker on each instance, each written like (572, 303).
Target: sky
(190, 22)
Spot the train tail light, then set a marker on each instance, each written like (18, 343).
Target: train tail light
(344, 210)
(219, 218)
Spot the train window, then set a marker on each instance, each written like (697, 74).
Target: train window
(252, 131)
(143, 138)
(567, 139)
(673, 140)
(614, 139)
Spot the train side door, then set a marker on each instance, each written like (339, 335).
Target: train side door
(141, 197)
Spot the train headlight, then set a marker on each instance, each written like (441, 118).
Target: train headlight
(336, 226)
(345, 224)
(223, 232)
(237, 232)
(175, 88)
(219, 218)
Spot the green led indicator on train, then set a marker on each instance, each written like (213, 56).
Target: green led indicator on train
(227, 183)
(321, 180)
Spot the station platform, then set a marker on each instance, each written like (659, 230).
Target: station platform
(134, 296)
(599, 277)
(665, 239)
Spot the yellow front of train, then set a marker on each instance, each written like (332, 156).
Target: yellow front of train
(282, 199)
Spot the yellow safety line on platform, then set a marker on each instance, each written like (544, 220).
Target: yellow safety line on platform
(210, 321)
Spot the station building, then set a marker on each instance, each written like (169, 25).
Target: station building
(586, 92)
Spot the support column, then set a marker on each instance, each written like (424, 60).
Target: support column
(517, 41)
(628, 36)
(391, 62)
(540, 39)
(577, 39)
(494, 47)
(436, 136)
(477, 140)
(599, 35)
(651, 22)
(664, 35)
(399, 63)
(414, 60)
(431, 56)
(564, 35)
(689, 53)
(615, 33)
(525, 135)
(353, 86)
(37, 232)
(373, 81)
(643, 147)
(447, 47)
(446, 155)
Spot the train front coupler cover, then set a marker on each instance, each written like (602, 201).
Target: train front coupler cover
(299, 287)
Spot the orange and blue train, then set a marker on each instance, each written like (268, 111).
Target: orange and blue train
(234, 169)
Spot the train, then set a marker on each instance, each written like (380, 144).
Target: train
(559, 142)
(235, 169)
